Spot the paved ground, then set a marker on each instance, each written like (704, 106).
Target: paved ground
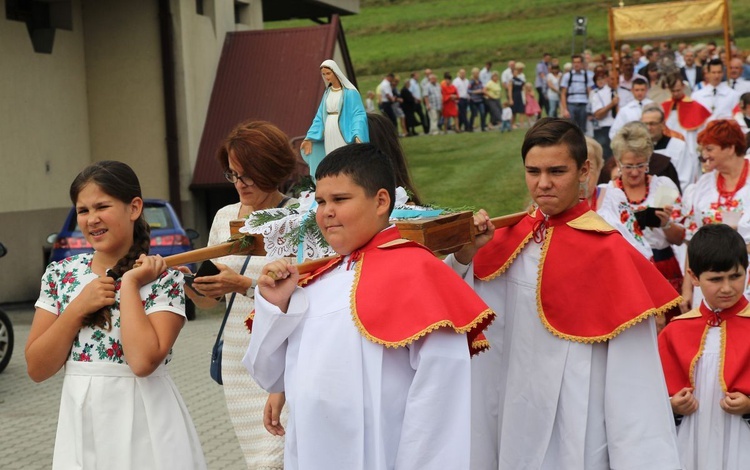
(28, 411)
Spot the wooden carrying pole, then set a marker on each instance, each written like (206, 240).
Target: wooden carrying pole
(613, 47)
(250, 245)
(253, 245)
(727, 42)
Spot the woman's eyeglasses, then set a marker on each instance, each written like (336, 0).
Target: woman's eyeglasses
(639, 167)
(233, 177)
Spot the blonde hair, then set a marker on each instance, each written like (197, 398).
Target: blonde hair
(633, 137)
(595, 156)
(519, 65)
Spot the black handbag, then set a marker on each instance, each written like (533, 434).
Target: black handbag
(215, 369)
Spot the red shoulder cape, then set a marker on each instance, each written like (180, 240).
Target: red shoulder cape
(592, 284)
(681, 345)
(402, 292)
(690, 114)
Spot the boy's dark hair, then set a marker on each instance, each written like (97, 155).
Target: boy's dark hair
(548, 132)
(716, 247)
(714, 63)
(367, 166)
(640, 81)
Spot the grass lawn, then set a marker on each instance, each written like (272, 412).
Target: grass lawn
(480, 170)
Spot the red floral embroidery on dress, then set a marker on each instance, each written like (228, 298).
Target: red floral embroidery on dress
(63, 282)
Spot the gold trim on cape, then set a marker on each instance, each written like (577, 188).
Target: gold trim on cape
(510, 259)
(588, 339)
(722, 380)
(694, 362)
(405, 342)
(591, 221)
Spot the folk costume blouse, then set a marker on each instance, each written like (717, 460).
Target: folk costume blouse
(109, 417)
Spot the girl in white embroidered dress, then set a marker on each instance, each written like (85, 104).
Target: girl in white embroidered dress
(112, 325)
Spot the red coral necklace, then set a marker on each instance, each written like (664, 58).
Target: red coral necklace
(618, 183)
(725, 196)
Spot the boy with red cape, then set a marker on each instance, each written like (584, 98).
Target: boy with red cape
(705, 354)
(572, 378)
(373, 351)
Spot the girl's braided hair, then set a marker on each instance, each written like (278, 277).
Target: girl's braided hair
(119, 181)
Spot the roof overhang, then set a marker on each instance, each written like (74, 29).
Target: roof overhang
(273, 76)
(291, 9)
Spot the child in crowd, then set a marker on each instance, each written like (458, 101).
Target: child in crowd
(369, 102)
(507, 117)
(705, 353)
(532, 105)
(112, 325)
(370, 383)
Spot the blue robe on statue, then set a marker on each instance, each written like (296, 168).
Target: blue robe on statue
(352, 123)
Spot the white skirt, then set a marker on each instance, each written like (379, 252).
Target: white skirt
(109, 418)
(333, 138)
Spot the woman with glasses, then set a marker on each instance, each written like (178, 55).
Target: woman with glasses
(257, 158)
(722, 194)
(632, 148)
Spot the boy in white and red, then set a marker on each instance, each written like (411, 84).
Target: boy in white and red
(705, 354)
(374, 351)
(572, 380)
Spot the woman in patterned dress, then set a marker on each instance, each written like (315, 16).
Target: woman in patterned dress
(632, 147)
(257, 158)
(112, 325)
(723, 194)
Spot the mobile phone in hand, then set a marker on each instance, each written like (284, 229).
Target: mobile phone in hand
(207, 268)
(648, 218)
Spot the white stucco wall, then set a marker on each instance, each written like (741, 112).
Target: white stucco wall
(125, 88)
(44, 129)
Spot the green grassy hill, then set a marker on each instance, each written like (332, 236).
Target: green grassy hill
(479, 169)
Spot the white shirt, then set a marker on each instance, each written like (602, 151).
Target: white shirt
(711, 437)
(485, 76)
(462, 86)
(740, 86)
(599, 99)
(506, 76)
(624, 91)
(541, 402)
(386, 91)
(415, 89)
(676, 150)
(628, 113)
(507, 114)
(691, 73)
(355, 404)
(553, 81)
(720, 100)
(577, 85)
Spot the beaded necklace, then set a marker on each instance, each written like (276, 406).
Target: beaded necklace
(618, 183)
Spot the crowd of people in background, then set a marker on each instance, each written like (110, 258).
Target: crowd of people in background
(646, 107)
(590, 89)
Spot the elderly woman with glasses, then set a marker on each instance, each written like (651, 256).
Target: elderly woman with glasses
(722, 194)
(632, 148)
(257, 158)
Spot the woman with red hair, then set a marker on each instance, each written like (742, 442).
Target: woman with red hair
(721, 195)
